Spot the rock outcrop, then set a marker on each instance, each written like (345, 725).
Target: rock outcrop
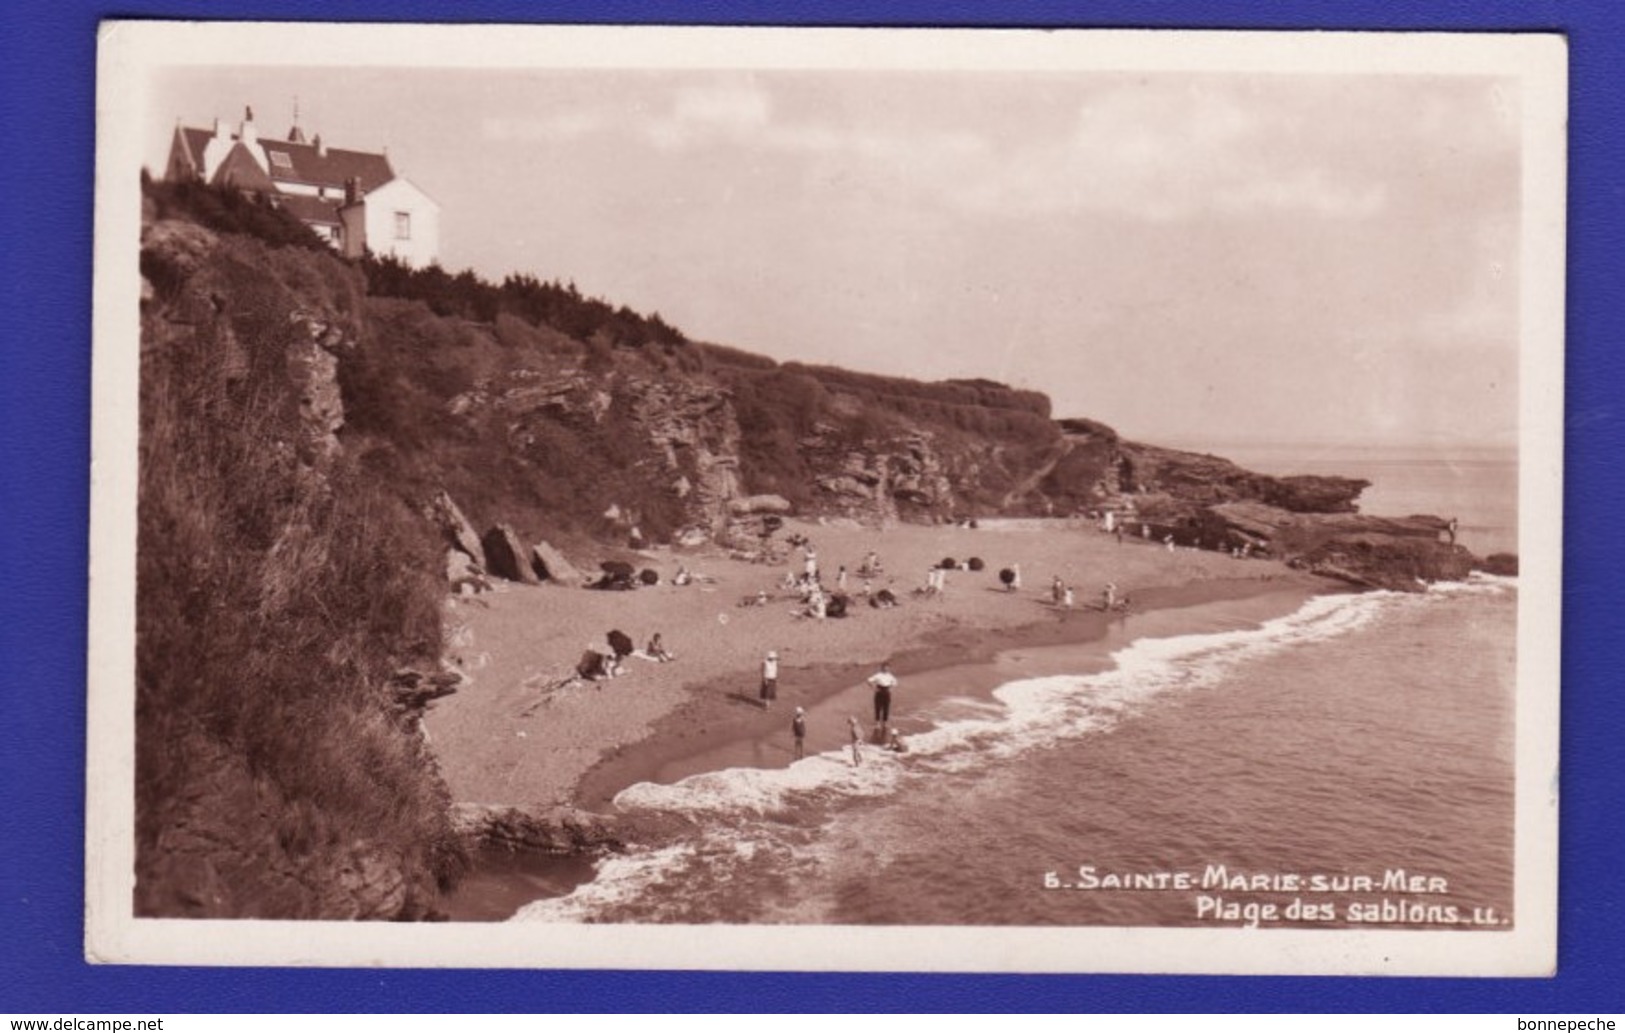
(1199, 480)
(506, 556)
(1398, 554)
(558, 830)
(458, 531)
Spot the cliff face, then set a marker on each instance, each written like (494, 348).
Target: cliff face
(678, 435)
(282, 604)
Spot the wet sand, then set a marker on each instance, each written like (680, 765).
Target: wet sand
(717, 728)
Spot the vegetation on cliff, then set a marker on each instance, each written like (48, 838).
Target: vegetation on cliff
(280, 587)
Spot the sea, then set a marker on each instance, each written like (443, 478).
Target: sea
(1294, 760)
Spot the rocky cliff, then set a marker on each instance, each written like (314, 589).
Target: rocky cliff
(287, 607)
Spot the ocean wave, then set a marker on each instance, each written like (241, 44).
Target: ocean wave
(769, 820)
(1025, 714)
(620, 880)
(769, 790)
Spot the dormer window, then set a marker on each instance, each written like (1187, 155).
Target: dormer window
(280, 159)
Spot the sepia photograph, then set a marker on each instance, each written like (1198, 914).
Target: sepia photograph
(826, 499)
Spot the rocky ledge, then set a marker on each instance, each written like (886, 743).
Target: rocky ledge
(1395, 553)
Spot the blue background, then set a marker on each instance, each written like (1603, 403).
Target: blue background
(47, 106)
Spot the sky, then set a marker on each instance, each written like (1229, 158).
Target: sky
(1186, 256)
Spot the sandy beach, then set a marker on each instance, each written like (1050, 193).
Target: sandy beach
(519, 734)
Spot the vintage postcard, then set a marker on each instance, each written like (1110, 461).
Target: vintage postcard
(826, 500)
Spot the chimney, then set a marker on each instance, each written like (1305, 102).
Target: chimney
(321, 148)
(220, 131)
(249, 134)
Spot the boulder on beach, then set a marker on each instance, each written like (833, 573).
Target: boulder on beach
(505, 555)
(550, 565)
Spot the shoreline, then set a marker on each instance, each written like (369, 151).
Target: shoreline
(519, 735)
(717, 727)
(719, 719)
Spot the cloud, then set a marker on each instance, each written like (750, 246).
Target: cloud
(1156, 148)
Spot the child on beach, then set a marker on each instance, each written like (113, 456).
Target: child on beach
(856, 734)
(871, 565)
(798, 728)
(770, 679)
(657, 650)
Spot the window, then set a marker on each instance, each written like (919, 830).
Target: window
(280, 159)
(403, 225)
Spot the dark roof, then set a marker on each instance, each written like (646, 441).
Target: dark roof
(240, 170)
(303, 164)
(195, 140)
(309, 209)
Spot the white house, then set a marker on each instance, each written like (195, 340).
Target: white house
(352, 199)
(397, 219)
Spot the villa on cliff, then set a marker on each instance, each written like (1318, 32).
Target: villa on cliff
(351, 199)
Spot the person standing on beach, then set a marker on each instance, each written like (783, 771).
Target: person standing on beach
(770, 679)
(1108, 596)
(798, 728)
(884, 682)
(856, 734)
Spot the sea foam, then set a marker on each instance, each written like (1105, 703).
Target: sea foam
(744, 812)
